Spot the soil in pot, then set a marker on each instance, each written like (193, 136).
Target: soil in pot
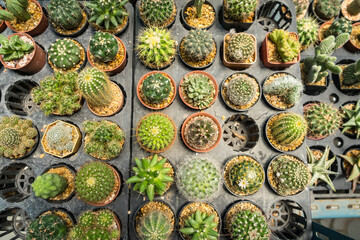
(206, 19)
(70, 177)
(355, 37)
(349, 10)
(197, 64)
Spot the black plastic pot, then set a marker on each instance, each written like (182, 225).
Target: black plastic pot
(349, 135)
(274, 15)
(75, 34)
(239, 27)
(183, 15)
(37, 140)
(313, 90)
(312, 7)
(68, 214)
(343, 170)
(336, 79)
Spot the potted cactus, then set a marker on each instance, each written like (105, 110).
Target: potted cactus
(156, 90)
(108, 16)
(301, 7)
(198, 90)
(103, 97)
(350, 113)
(156, 132)
(350, 166)
(238, 14)
(104, 140)
(201, 132)
(97, 183)
(20, 52)
(335, 28)
(326, 10)
(350, 9)
(348, 81)
(353, 45)
(198, 49)
(24, 16)
(107, 52)
(153, 175)
(18, 137)
(198, 14)
(157, 13)
(308, 32)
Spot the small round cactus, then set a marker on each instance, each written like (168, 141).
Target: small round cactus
(340, 26)
(308, 31)
(241, 90)
(155, 225)
(156, 88)
(301, 6)
(9, 137)
(241, 47)
(64, 54)
(157, 13)
(49, 185)
(198, 44)
(103, 46)
(328, 9)
(49, 227)
(66, 14)
(60, 137)
(239, 10)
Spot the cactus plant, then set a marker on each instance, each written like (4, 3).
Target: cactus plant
(157, 13)
(308, 31)
(15, 9)
(352, 169)
(49, 185)
(351, 74)
(354, 7)
(14, 48)
(241, 90)
(150, 176)
(286, 47)
(239, 10)
(156, 88)
(340, 26)
(351, 119)
(201, 133)
(200, 225)
(103, 46)
(241, 47)
(300, 6)
(49, 227)
(198, 5)
(198, 44)
(155, 225)
(328, 9)
(198, 179)
(60, 137)
(64, 54)
(66, 14)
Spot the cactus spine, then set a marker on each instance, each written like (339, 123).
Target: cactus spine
(328, 9)
(201, 133)
(241, 47)
(156, 87)
(66, 14)
(15, 9)
(103, 46)
(198, 44)
(49, 185)
(239, 10)
(340, 26)
(300, 7)
(157, 13)
(65, 54)
(59, 137)
(351, 74)
(241, 90)
(49, 227)
(308, 31)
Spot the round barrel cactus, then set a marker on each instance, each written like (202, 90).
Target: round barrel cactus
(157, 13)
(198, 44)
(64, 54)
(103, 46)
(241, 90)
(66, 14)
(155, 225)
(241, 47)
(49, 227)
(239, 10)
(156, 87)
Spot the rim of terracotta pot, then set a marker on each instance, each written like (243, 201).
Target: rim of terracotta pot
(321, 27)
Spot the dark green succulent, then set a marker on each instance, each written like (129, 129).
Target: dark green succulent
(156, 88)
(200, 226)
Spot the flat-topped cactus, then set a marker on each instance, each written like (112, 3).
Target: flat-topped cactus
(103, 46)
(157, 13)
(64, 54)
(66, 14)
(198, 44)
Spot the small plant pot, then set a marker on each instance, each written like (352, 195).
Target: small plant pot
(64, 214)
(36, 61)
(169, 24)
(345, 166)
(353, 45)
(157, 106)
(316, 88)
(2, 24)
(228, 24)
(312, 7)
(120, 29)
(323, 30)
(351, 133)
(118, 67)
(74, 32)
(274, 15)
(237, 65)
(183, 95)
(308, 135)
(338, 79)
(344, 10)
(184, 15)
(188, 120)
(319, 151)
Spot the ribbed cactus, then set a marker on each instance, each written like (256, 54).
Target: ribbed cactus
(66, 14)
(64, 54)
(200, 225)
(198, 5)
(155, 225)
(157, 13)
(327, 9)
(14, 48)
(241, 90)
(156, 88)
(351, 74)
(60, 137)
(49, 227)
(340, 26)
(354, 7)
(241, 47)
(286, 47)
(201, 133)
(15, 9)
(198, 44)
(300, 6)
(95, 86)
(198, 179)
(239, 10)
(351, 119)
(49, 185)
(9, 137)
(103, 46)
(308, 31)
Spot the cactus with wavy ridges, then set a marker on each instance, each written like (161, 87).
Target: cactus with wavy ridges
(59, 137)
(354, 7)
(327, 9)
(49, 227)
(66, 14)
(241, 90)
(14, 48)
(241, 47)
(198, 44)
(340, 26)
(156, 88)
(300, 6)
(157, 13)
(200, 226)
(239, 10)
(103, 46)
(155, 225)
(351, 74)
(308, 31)
(15, 9)
(198, 90)
(65, 54)
(201, 133)
(49, 185)
(286, 47)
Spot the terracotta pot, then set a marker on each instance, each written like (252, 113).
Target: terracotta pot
(142, 80)
(37, 61)
(207, 75)
(38, 29)
(206, 115)
(2, 25)
(116, 69)
(183, 15)
(349, 45)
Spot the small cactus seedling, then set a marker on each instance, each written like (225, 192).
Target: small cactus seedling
(200, 225)
(49, 185)
(14, 48)
(308, 31)
(198, 45)
(49, 227)
(104, 46)
(15, 9)
(328, 9)
(156, 88)
(340, 26)
(239, 10)
(66, 14)
(64, 54)
(157, 13)
(241, 90)
(241, 47)
(286, 47)
(351, 119)
(155, 225)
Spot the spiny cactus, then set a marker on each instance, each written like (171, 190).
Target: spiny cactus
(352, 119)
(15, 48)
(340, 26)
(327, 9)
(201, 133)
(241, 90)
(156, 88)
(157, 13)
(198, 180)
(351, 74)
(103, 46)
(66, 14)
(198, 44)
(241, 47)
(59, 137)
(200, 225)
(198, 90)
(94, 85)
(49, 227)
(49, 185)
(308, 31)
(156, 131)
(354, 7)
(15, 9)
(150, 176)
(300, 6)
(155, 225)
(65, 54)
(352, 168)
(286, 47)
(239, 10)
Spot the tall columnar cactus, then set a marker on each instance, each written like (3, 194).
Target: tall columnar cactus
(156, 88)
(15, 48)
(157, 13)
(241, 90)
(241, 47)
(351, 119)
(327, 9)
(66, 14)
(300, 6)
(49, 227)
(15, 9)
(351, 74)
(200, 225)
(49, 185)
(239, 10)
(247, 224)
(198, 179)
(65, 54)
(103, 46)
(354, 7)
(308, 31)
(95, 86)
(155, 225)
(286, 47)
(59, 137)
(198, 44)
(340, 26)
(201, 133)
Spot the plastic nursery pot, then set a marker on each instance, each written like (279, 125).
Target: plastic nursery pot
(15, 220)
(237, 65)
(274, 15)
(312, 7)
(229, 24)
(353, 44)
(183, 15)
(157, 106)
(344, 10)
(316, 88)
(351, 133)
(319, 150)
(168, 25)
(36, 59)
(37, 29)
(312, 137)
(199, 114)
(116, 69)
(338, 79)
(323, 30)
(76, 140)
(182, 94)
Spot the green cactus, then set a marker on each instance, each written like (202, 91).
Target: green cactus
(340, 26)
(155, 225)
(49, 185)
(198, 5)
(64, 54)
(105, 218)
(198, 44)
(352, 169)
(150, 176)
(351, 119)
(308, 31)
(351, 74)
(156, 88)
(199, 90)
(328, 9)
(198, 179)
(66, 14)
(87, 219)
(354, 7)
(9, 137)
(15, 9)
(239, 10)
(286, 47)
(241, 90)
(157, 13)
(300, 6)
(241, 47)
(49, 227)
(103, 46)
(201, 133)
(15, 48)
(200, 226)
(60, 137)
(95, 86)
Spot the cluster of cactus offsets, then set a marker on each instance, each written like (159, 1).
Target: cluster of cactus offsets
(17, 136)
(95, 182)
(241, 47)
(287, 48)
(59, 137)
(354, 7)
(157, 13)
(64, 54)
(239, 10)
(198, 180)
(300, 6)
(241, 90)
(287, 86)
(95, 86)
(66, 14)
(199, 90)
(198, 44)
(156, 47)
(352, 170)
(15, 48)
(103, 46)
(156, 132)
(15, 9)
(340, 26)
(308, 31)
(49, 185)
(200, 226)
(317, 67)
(201, 132)
(155, 225)
(156, 87)
(322, 119)
(351, 74)
(247, 224)
(328, 9)
(49, 227)
(352, 119)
